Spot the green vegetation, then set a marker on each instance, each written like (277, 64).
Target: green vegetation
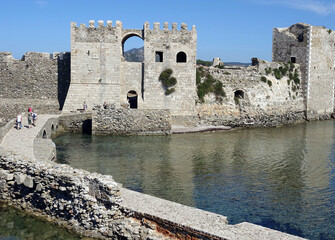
(329, 31)
(208, 85)
(283, 70)
(277, 73)
(264, 79)
(269, 83)
(204, 63)
(268, 71)
(168, 81)
(220, 66)
(227, 73)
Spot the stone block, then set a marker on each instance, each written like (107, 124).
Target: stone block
(28, 182)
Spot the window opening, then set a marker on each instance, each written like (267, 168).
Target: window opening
(239, 94)
(159, 57)
(133, 50)
(293, 60)
(181, 57)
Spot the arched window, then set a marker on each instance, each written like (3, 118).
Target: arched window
(44, 134)
(132, 99)
(181, 57)
(132, 47)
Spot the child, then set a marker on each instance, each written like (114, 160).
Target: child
(34, 118)
(19, 121)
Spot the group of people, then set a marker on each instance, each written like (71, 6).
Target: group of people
(32, 118)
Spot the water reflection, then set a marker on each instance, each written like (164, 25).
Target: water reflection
(281, 178)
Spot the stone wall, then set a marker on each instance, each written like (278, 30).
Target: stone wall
(76, 122)
(320, 95)
(38, 79)
(130, 121)
(266, 101)
(84, 202)
(313, 48)
(169, 43)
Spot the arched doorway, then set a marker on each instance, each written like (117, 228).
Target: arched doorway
(132, 99)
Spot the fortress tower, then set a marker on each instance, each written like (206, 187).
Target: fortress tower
(99, 72)
(314, 49)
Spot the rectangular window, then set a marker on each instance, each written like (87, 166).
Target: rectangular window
(159, 57)
(293, 60)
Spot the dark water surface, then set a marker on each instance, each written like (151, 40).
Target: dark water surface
(282, 178)
(15, 225)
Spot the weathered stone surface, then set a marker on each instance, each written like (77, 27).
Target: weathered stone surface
(313, 48)
(40, 80)
(263, 100)
(130, 121)
(28, 182)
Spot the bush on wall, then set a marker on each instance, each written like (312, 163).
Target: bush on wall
(168, 81)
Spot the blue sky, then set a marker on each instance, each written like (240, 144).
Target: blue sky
(234, 30)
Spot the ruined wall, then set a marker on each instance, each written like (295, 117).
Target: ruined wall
(313, 48)
(38, 79)
(130, 121)
(267, 101)
(292, 44)
(320, 95)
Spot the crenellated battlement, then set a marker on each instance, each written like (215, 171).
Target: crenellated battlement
(174, 27)
(101, 24)
(118, 25)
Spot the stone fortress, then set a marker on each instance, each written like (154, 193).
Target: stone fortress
(297, 86)
(99, 72)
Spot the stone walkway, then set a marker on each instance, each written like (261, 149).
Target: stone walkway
(200, 220)
(21, 141)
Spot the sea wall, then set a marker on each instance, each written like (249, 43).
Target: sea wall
(84, 202)
(130, 121)
(268, 94)
(76, 122)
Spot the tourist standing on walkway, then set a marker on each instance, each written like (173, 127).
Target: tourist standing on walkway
(34, 119)
(30, 110)
(29, 119)
(19, 121)
(84, 106)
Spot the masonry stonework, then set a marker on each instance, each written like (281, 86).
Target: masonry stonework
(40, 80)
(99, 72)
(313, 48)
(254, 97)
